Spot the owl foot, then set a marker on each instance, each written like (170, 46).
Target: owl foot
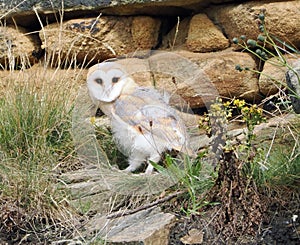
(131, 168)
(149, 169)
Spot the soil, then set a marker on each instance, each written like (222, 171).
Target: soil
(281, 225)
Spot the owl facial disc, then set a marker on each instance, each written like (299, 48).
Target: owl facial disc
(105, 81)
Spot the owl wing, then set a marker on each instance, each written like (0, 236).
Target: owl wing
(147, 113)
(163, 124)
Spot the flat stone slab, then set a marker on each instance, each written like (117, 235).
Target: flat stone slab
(150, 226)
(24, 12)
(51, 6)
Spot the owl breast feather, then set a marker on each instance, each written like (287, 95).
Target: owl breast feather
(144, 119)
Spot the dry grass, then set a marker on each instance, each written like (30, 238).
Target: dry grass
(35, 142)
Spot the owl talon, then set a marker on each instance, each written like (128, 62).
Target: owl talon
(149, 169)
(129, 169)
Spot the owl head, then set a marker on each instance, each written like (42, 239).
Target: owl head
(106, 81)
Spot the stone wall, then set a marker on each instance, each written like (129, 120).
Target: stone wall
(82, 33)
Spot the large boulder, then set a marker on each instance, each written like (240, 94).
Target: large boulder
(196, 34)
(216, 75)
(96, 39)
(219, 68)
(281, 17)
(18, 48)
(272, 77)
(204, 36)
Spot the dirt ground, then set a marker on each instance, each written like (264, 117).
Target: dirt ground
(281, 225)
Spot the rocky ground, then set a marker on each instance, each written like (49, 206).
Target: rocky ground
(281, 225)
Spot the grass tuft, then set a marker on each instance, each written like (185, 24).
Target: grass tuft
(34, 140)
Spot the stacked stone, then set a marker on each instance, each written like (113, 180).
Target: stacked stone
(204, 36)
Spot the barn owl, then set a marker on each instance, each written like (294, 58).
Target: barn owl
(142, 122)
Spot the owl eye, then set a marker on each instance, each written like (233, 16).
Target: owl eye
(99, 81)
(115, 79)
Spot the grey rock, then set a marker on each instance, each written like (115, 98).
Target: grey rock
(51, 5)
(293, 83)
(24, 12)
(150, 226)
(28, 5)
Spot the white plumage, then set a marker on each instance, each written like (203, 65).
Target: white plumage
(143, 123)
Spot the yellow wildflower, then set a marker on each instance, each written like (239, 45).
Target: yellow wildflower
(239, 103)
(93, 120)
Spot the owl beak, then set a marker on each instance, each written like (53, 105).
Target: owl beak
(108, 91)
(106, 95)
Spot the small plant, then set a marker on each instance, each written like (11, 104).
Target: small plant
(198, 179)
(280, 169)
(267, 167)
(263, 167)
(195, 177)
(265, 47)
(251, 115)
(234, 188)
(247, 151)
